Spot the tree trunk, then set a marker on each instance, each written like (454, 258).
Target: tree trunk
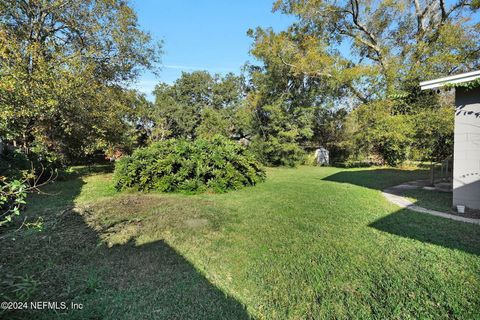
(432, 173)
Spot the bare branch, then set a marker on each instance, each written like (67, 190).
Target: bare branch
(357, 93)
(317, 73)
(443, 10)
(460, 4)
(9, 233)
(286, 63)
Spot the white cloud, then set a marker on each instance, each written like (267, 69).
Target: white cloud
(183, 67)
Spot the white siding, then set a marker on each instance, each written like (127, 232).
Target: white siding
(466, 159)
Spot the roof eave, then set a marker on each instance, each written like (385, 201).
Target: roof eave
(459, 78)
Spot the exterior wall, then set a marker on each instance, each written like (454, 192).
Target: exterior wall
(466, 159)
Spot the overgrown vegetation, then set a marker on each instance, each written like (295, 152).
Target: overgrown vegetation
(216, 164)
(13, 192)
(19, 176)
(357, 64)
(64, 71)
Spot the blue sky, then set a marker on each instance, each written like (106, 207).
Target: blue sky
(204, 34)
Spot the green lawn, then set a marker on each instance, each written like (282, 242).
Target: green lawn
(431, 199)
(309, 243)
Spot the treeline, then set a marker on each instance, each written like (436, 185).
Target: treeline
(282, 130)
(344, 76)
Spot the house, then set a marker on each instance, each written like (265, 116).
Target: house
(466, 155)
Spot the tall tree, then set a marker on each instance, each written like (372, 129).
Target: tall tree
(63, 68)
(197, 104)
(391, 42)
(345, 54)
(284, 102)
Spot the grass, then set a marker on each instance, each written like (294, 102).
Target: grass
(430, 199)
(308, 243)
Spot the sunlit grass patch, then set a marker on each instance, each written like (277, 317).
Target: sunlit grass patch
(309, 242)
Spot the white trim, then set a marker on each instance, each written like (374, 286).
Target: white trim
(459, 78)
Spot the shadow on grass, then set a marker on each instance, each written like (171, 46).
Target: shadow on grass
(378, 179)
(414, 225)
(430, 229)
(56, 196)
(430, 199)
(67, 262)
(78, 171)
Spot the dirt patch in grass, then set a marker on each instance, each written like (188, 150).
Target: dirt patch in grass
(91, 255)
(126, 205)
(196, 223)
(119, 220)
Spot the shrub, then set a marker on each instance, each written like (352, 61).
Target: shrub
(12, 163)
(352, 164)
(216, 164)
(309, 159)
(12, 197)
(374, 129)
(15, 165)
(276, 152)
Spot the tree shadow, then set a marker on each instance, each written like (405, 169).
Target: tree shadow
(81, 171)
(435, 230)
(56, 196)
(378, 179)
(68, 262)
(178, 289)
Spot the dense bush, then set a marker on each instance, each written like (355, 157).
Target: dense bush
(14, 164)
(276, 152)
(353, 164)
(310, 160)
(376, 130)
(216, 164)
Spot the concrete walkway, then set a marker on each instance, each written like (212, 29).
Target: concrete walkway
(394, 195)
